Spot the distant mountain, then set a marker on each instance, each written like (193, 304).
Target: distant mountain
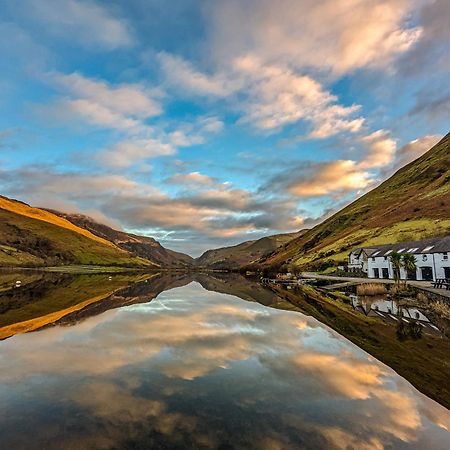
(244, 253)
(140, 246)
(36, 237)
(412, 204)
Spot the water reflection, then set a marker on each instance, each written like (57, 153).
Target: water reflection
(197, 368)
(388, 309)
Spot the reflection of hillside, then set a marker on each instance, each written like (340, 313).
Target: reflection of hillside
(147, 290)
(45, 300)
(141, 292)
(65, 299)
(237, 285)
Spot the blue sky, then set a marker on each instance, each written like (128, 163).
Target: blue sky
(205, 123)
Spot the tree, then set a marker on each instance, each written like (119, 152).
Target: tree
(409, 263)
(396, 260)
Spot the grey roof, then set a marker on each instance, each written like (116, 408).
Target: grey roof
(432, 245)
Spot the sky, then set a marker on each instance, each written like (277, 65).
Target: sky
(207, 123)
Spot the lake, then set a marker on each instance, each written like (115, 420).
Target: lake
(177, 361)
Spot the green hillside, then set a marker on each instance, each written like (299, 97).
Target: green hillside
(140, 246)
(34, 237)
(244, 253)
(412, 204)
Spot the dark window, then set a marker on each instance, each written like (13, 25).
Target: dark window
(427, 273)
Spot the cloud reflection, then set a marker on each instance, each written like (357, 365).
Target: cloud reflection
(199, 368)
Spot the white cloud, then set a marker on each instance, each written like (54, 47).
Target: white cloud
(335, 35)
(380, 150)
(86, 21)
(335, 177)
(269, 96)
(217, 209)
(121, 106)
(278, 96)
(195, 132)
(131, 99)
(181, 73)
(192, 178)
(125, 108)
(132, 151)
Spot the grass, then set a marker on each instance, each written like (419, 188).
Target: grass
(46, 216)
(20, 236)
(371, 289)
(423, 362)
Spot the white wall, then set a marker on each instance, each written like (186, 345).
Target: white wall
(378, 262)
(440, 263)
(436, 261)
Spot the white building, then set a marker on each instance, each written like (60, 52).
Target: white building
(432, 259)
(358, 259)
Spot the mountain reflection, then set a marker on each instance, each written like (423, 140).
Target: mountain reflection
(189, 365)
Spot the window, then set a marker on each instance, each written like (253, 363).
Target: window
(385, 258)
(417, 315)
(424, 257)
(445, 256)
(373, 258)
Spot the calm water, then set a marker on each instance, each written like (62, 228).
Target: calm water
(196, 368)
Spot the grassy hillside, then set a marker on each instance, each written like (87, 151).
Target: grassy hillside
(244, 253)
(35, 237)
(412, 204)
(140, 246)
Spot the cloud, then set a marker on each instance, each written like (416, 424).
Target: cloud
(278, 96)
(133, 151)
(380, 150)
(122, 106)
(196, 131)
(271, 96)
(192, 178)
(321, 35)
(415, 149)
(216, 210)
(430, 54)
(126, 109)
(342, 176)
(179, 72)
(133, 369)
(86, 21)
(127, 99)
(320, 179)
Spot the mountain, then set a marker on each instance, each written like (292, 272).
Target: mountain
(244, 253)
(412, 204)
(140, 246)
(36, 237)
